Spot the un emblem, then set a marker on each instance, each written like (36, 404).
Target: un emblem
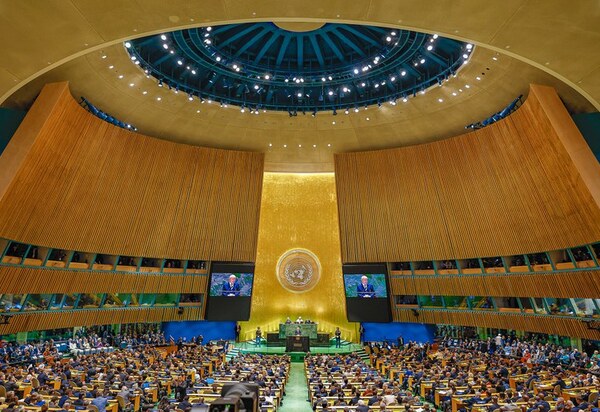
(298, 270)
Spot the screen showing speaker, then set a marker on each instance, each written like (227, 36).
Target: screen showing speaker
(230, 291)
(366, 290)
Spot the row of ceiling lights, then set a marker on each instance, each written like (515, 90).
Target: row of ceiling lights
(256, 110)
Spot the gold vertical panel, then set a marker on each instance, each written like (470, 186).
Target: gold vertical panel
(299, 211)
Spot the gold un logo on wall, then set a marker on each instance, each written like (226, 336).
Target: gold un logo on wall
(298, 270)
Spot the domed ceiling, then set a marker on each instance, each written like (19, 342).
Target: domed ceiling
(326, 67)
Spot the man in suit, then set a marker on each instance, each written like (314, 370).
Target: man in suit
(232, 287)
(364, 289)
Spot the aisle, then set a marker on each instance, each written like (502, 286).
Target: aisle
(296, 391)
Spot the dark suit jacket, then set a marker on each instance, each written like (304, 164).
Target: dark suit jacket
(231, 290)
(362, 291)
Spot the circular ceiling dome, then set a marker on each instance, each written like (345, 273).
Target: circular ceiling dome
(264, 66)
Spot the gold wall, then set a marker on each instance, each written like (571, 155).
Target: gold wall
(299, 211)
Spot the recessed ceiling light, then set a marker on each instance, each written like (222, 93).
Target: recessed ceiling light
(405, 100)
(270, 144)
(197, 111)
(453, 93)
(440, 100)
(111, 67)
(163, 37)
(467, 86)
(333, 122)
(165, 46)
(435, 36)
(430, 47)
(299, 145)
(120, 76)
(328, 144)
(131, 84)
(144, 92)
(403, 73)
(159, 98)
(368, 119)
(104, 56)
(284, 145)
(494, 58)
(478, 78)
(127, 44)
(314, 145)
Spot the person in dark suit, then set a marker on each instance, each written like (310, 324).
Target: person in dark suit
(232, 287)
(365, 289)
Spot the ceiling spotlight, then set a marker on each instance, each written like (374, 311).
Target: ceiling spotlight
(346, 90)
(208, 28)
(127, 44)
(465, 56)
(467, 86)
(267, 77)
(423, 91)
(165, 46)
(405, 99)
(159, 98)
(256, 87)
(356, 71)
(314, 145)
(469, 46)
(376, 85)
(190, 97)
(363, 84)
(284, 145)
(440, 100)
(193, 71)
(172, 52)
(299, 94)
(365, 68)
(328, 144)
(346, 111)
(393, 33)
(430, 47)
(160, 83)
(235, 66)
(242, 109)
(209, 101)
(314, 113)
(297, 80)
(322, 79)
(302, 79)
(111, 67)
(104, 56)
(368, 119)
(218, 58)
(163, 37)
(478, 78)
(270, 144)
(131, 84)
(207, 41)
(330, 92)
(287, 80)
(120, 76)
(330, 78)
(393, 102)
(422, 61)
(388, 38)
(393, 78)
(144, 92)
(179, 62)
(333, 122)
(403, 73)
(356, 110)
(453, 93)
(237, 69)
(435, 36)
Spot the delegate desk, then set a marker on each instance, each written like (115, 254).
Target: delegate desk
(306, 329)
(297, 344)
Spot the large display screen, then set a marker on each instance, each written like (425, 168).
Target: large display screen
(230, 291)
(231, 284)
(366, 292)
(365, 285)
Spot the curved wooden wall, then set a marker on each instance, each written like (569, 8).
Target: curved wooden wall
(19, 280)
(510, 188)
(554, 325)
(89, 317)
(583, 284)
(90, 186)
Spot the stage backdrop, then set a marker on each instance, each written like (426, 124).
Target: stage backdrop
(299, 232)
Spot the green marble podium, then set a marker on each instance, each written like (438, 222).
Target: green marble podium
(306, 329)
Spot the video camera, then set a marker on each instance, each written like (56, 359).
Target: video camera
(237, 397)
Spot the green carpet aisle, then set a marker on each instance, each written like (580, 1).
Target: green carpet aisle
(296, 391)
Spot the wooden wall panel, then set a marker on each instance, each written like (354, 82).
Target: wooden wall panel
(585, 284)
(90, 186)
(89, 317)
(555, 325)
(510, 188)
(21, 280)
